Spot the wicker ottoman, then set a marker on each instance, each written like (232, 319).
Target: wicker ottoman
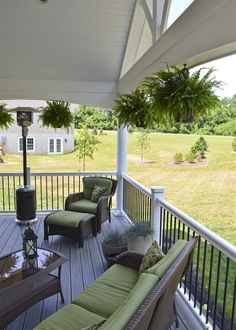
(73, 224)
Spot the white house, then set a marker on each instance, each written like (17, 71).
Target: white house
(40, 140)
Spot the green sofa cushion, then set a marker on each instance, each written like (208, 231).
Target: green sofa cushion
(161, 267)
(124, 313)
(71, 317)
(84, 205)
(90, 182)
(120, 276)
(109, 291)
(66, 218)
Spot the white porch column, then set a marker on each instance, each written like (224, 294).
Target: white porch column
(156, 212)
(121, 164)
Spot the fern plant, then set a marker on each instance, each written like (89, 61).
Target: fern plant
(57, 114)
(177, 95)
(133, 109)
(5, 117)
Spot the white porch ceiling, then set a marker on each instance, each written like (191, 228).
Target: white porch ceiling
(75, 46)
(76, 49)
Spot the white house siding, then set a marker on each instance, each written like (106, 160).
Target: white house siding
(9, 138)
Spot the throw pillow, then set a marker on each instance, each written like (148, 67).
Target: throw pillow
(97, 193)
(153, 255)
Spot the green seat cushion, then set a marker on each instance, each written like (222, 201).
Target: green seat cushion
(84, 205)
(66, 218)
(97, 193)
(90, 182)
(71, 317)
(124, 313)
(153, 255)
(120, 276)
(109, 291)
(161, 267)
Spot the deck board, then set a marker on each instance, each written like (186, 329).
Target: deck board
(82, 268)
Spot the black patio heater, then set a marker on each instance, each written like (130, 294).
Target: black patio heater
(26, 194)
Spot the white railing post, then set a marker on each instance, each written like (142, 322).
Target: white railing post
(121, 165)
(156, 192)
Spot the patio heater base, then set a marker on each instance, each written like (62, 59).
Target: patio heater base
(26, 222)
(25, 205)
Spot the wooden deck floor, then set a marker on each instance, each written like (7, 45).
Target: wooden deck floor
(82, 268)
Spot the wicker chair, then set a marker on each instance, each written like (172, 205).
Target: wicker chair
(81, 201)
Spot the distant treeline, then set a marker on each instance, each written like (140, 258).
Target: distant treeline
(221, 121)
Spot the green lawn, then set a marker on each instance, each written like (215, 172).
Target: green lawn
(207, 191)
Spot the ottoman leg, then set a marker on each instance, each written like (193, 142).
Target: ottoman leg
(45, 230)
(81, 236)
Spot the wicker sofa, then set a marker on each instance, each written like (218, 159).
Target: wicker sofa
(121, 298)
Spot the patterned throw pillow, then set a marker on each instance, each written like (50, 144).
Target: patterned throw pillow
(97, 193)
(153, 255)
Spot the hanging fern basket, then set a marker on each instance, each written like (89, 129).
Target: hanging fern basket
(133, 109)
(178, 96)
(57, 114)
(5, 117)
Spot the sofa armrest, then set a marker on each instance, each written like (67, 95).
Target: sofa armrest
(130, 259)
(73, 198)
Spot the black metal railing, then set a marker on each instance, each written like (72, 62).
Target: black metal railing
(51, 188)
(136, 201)
(211, 280)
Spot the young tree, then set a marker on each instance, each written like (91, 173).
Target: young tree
(86, 145)
(143, 141)
(200, 147)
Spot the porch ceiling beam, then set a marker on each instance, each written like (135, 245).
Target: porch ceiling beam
(205, 31)
(164, 15)
(150, 19)
(98, 93)
(135, 33)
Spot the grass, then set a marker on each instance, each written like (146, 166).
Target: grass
(206, 192)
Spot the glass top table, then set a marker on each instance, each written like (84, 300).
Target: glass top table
(13, 267)
(22, 286)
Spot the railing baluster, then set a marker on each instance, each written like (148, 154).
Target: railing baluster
(3, 194)
(217, 288)
(14, 189)
(225, 292)
(52, 191)
(203, 274)
(197, 268)
(209, 284)
(233, 306)
(41, 193)
(57, 193)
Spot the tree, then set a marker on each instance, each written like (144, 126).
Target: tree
(200, 147)
(94, 117)
(143, 141)
(86, 145)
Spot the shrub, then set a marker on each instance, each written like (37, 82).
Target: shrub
(234, 144)
(190, 157)
(178, 157)
(200, 147)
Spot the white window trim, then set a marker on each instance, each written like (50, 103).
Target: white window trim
(62, 145)
(28, 137)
